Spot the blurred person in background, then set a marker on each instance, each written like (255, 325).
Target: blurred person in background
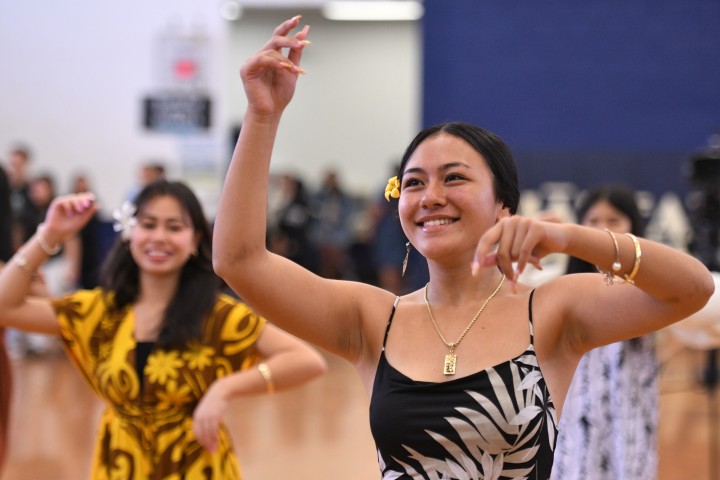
(6, 218)
(292, 217)
(38, 289)
(149, 171)
(152, 172)
(41, 191)
(331, 229)
(90, 240)
(60, 272)
(157, 342)
(19, 176)
(609, 426)
(6, 251)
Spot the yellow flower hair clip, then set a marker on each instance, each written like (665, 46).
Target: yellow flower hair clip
(392, 189)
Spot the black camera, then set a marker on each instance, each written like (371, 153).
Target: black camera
(703, 203)
(704, 168)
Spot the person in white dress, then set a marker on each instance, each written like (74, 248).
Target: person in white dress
(608, 430)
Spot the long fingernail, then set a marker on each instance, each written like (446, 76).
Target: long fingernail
(474, 268)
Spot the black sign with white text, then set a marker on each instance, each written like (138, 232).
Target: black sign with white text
(177, 113)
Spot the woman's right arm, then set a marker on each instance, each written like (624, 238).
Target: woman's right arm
(318, 310)
(18, 308)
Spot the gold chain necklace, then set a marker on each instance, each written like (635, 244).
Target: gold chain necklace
(451, 358)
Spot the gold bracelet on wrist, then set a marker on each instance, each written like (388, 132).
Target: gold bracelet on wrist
(638, 256)
(611, 275)
(50, 251)
(267, 376)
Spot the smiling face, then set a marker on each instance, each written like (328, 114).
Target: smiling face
(448, 200)
(164, 238)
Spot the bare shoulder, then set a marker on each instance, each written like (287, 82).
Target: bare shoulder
(376, 306)
(557, 293)
(554, 302)
(370, 303)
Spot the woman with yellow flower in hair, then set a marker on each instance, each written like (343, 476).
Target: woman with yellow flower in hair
(466, 376)
(157, 341)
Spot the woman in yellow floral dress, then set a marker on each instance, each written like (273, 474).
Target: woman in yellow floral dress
(157, 341)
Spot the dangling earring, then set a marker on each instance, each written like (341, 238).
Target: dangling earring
(408, 246)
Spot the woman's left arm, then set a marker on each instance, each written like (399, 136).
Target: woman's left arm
(286, 362)
(665, 284)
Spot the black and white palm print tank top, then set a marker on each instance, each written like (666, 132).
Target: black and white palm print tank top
(496, 424)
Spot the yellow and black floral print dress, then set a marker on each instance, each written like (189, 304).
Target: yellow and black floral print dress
(145, 432)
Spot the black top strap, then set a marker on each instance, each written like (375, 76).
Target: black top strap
(532, 292)
(392, 314)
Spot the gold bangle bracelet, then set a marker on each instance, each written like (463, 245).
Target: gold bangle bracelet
(267, 376)
(638, 256)
(616, 264)
(611, 275)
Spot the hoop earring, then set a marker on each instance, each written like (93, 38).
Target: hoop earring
(408, 246)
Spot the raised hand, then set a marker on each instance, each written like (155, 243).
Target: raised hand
(269, 76)
(67, 215)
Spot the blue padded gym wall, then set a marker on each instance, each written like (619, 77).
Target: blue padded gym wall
(582, 91)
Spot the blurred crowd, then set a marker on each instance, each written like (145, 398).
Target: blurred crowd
(338, 235)
(326, 229)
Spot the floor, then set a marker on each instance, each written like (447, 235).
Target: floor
(318, 431)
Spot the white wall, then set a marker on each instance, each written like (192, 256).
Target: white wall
(73, 76)
(359, 104)
(74, 72)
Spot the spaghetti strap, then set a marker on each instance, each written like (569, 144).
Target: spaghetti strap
(392, 314)
(532, 332)
(532, 292)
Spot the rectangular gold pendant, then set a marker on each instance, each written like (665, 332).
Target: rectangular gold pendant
(450, 361)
